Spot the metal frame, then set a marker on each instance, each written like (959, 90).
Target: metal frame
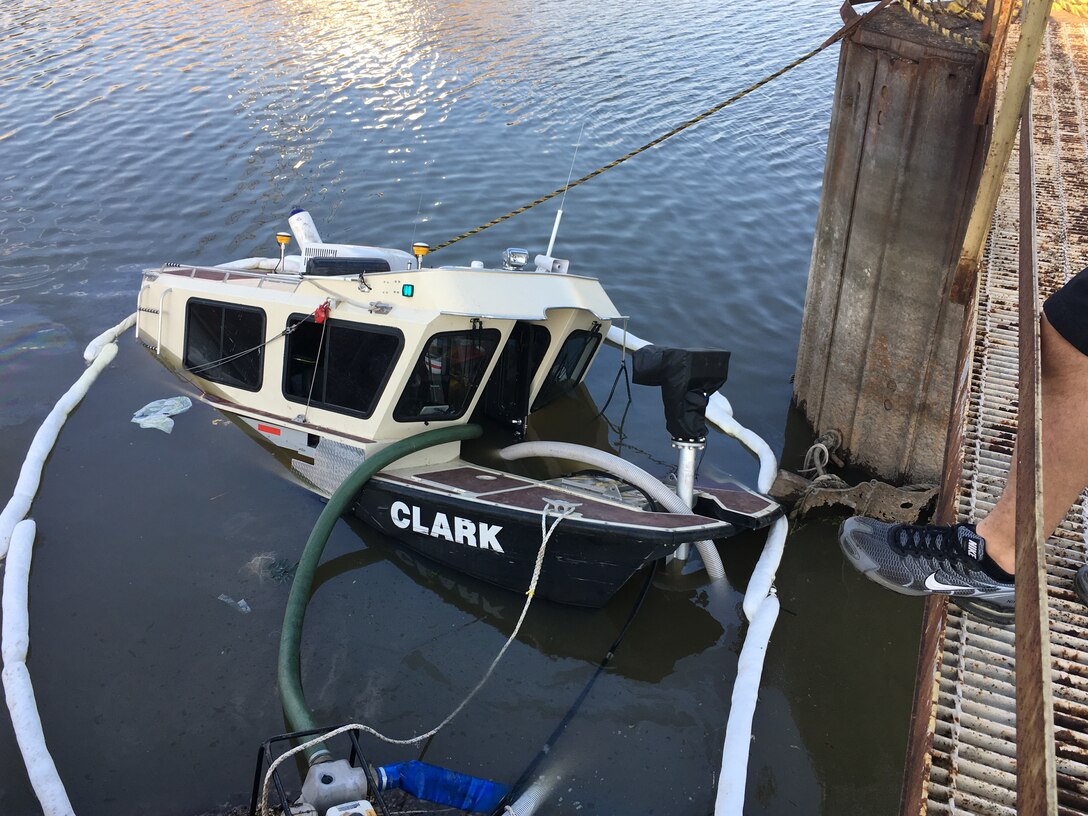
(1036, 763)
(355, 759)
(158, 335)
(226, 272)
(1036, 770)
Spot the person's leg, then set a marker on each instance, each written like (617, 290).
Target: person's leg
(1065, 446)
(958, 560)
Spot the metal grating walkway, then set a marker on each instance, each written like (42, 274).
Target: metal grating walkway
(972, 762)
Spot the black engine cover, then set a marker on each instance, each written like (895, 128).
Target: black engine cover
(687, 378)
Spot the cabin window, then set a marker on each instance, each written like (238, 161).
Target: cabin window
(569, 366)
(447, 374)
(224, 343)
(338, 365)
(345, 266)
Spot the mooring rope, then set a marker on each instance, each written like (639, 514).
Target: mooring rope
(1079, 7)
(653, 142)
(519, 786)
(230, 358)
(970, 11)
(926, 16)
(834, 38)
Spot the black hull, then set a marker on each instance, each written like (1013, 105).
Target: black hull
(585, 563)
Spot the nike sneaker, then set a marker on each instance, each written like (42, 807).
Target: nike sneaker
(912, 559)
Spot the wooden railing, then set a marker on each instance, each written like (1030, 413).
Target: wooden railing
(1034, 15)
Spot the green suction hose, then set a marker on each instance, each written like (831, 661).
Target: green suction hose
(299, 717)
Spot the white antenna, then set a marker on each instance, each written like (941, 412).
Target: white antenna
(559, 214)
(419, 209)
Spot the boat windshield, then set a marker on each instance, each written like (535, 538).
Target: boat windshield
(569, 366)
(446, 376)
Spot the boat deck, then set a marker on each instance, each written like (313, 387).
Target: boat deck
(476, 484)
(965, 749)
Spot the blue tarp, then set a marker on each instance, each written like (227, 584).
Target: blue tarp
(442, 786)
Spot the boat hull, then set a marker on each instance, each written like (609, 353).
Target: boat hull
(586, 560)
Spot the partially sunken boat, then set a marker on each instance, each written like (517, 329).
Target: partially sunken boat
(336, 353)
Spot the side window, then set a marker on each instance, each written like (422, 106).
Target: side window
(224, 343)
(569, 366)
(447, 374)
(338, 365)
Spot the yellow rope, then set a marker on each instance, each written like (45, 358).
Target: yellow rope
(705, 114)
(969, 11)
(1079, 7)
(926, 17)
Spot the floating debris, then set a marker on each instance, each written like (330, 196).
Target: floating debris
(267, 566)
(157, 414)
(828, 496)
(241, 605)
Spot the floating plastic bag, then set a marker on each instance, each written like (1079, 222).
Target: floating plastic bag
(157, 414)
(241, 605)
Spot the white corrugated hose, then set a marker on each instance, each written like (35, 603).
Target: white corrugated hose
(760, 605)
(627, 471)
(17, 544)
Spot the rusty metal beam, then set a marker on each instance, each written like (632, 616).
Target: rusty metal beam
(923, 715)
(972, 757)
(987, 35)
(916, 770)
(1036, 778)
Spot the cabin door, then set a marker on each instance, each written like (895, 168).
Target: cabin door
(506, 397)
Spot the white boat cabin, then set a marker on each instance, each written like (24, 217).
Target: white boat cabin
(363, 345)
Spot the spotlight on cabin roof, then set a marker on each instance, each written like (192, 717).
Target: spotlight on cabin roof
(515, 258)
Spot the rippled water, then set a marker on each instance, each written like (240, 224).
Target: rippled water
(133, 133)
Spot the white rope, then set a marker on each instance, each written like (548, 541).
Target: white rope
(816, 459)
(339, 296)
(18, 535)
(317, 361)
(562, 510)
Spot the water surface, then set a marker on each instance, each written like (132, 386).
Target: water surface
(134, 133)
